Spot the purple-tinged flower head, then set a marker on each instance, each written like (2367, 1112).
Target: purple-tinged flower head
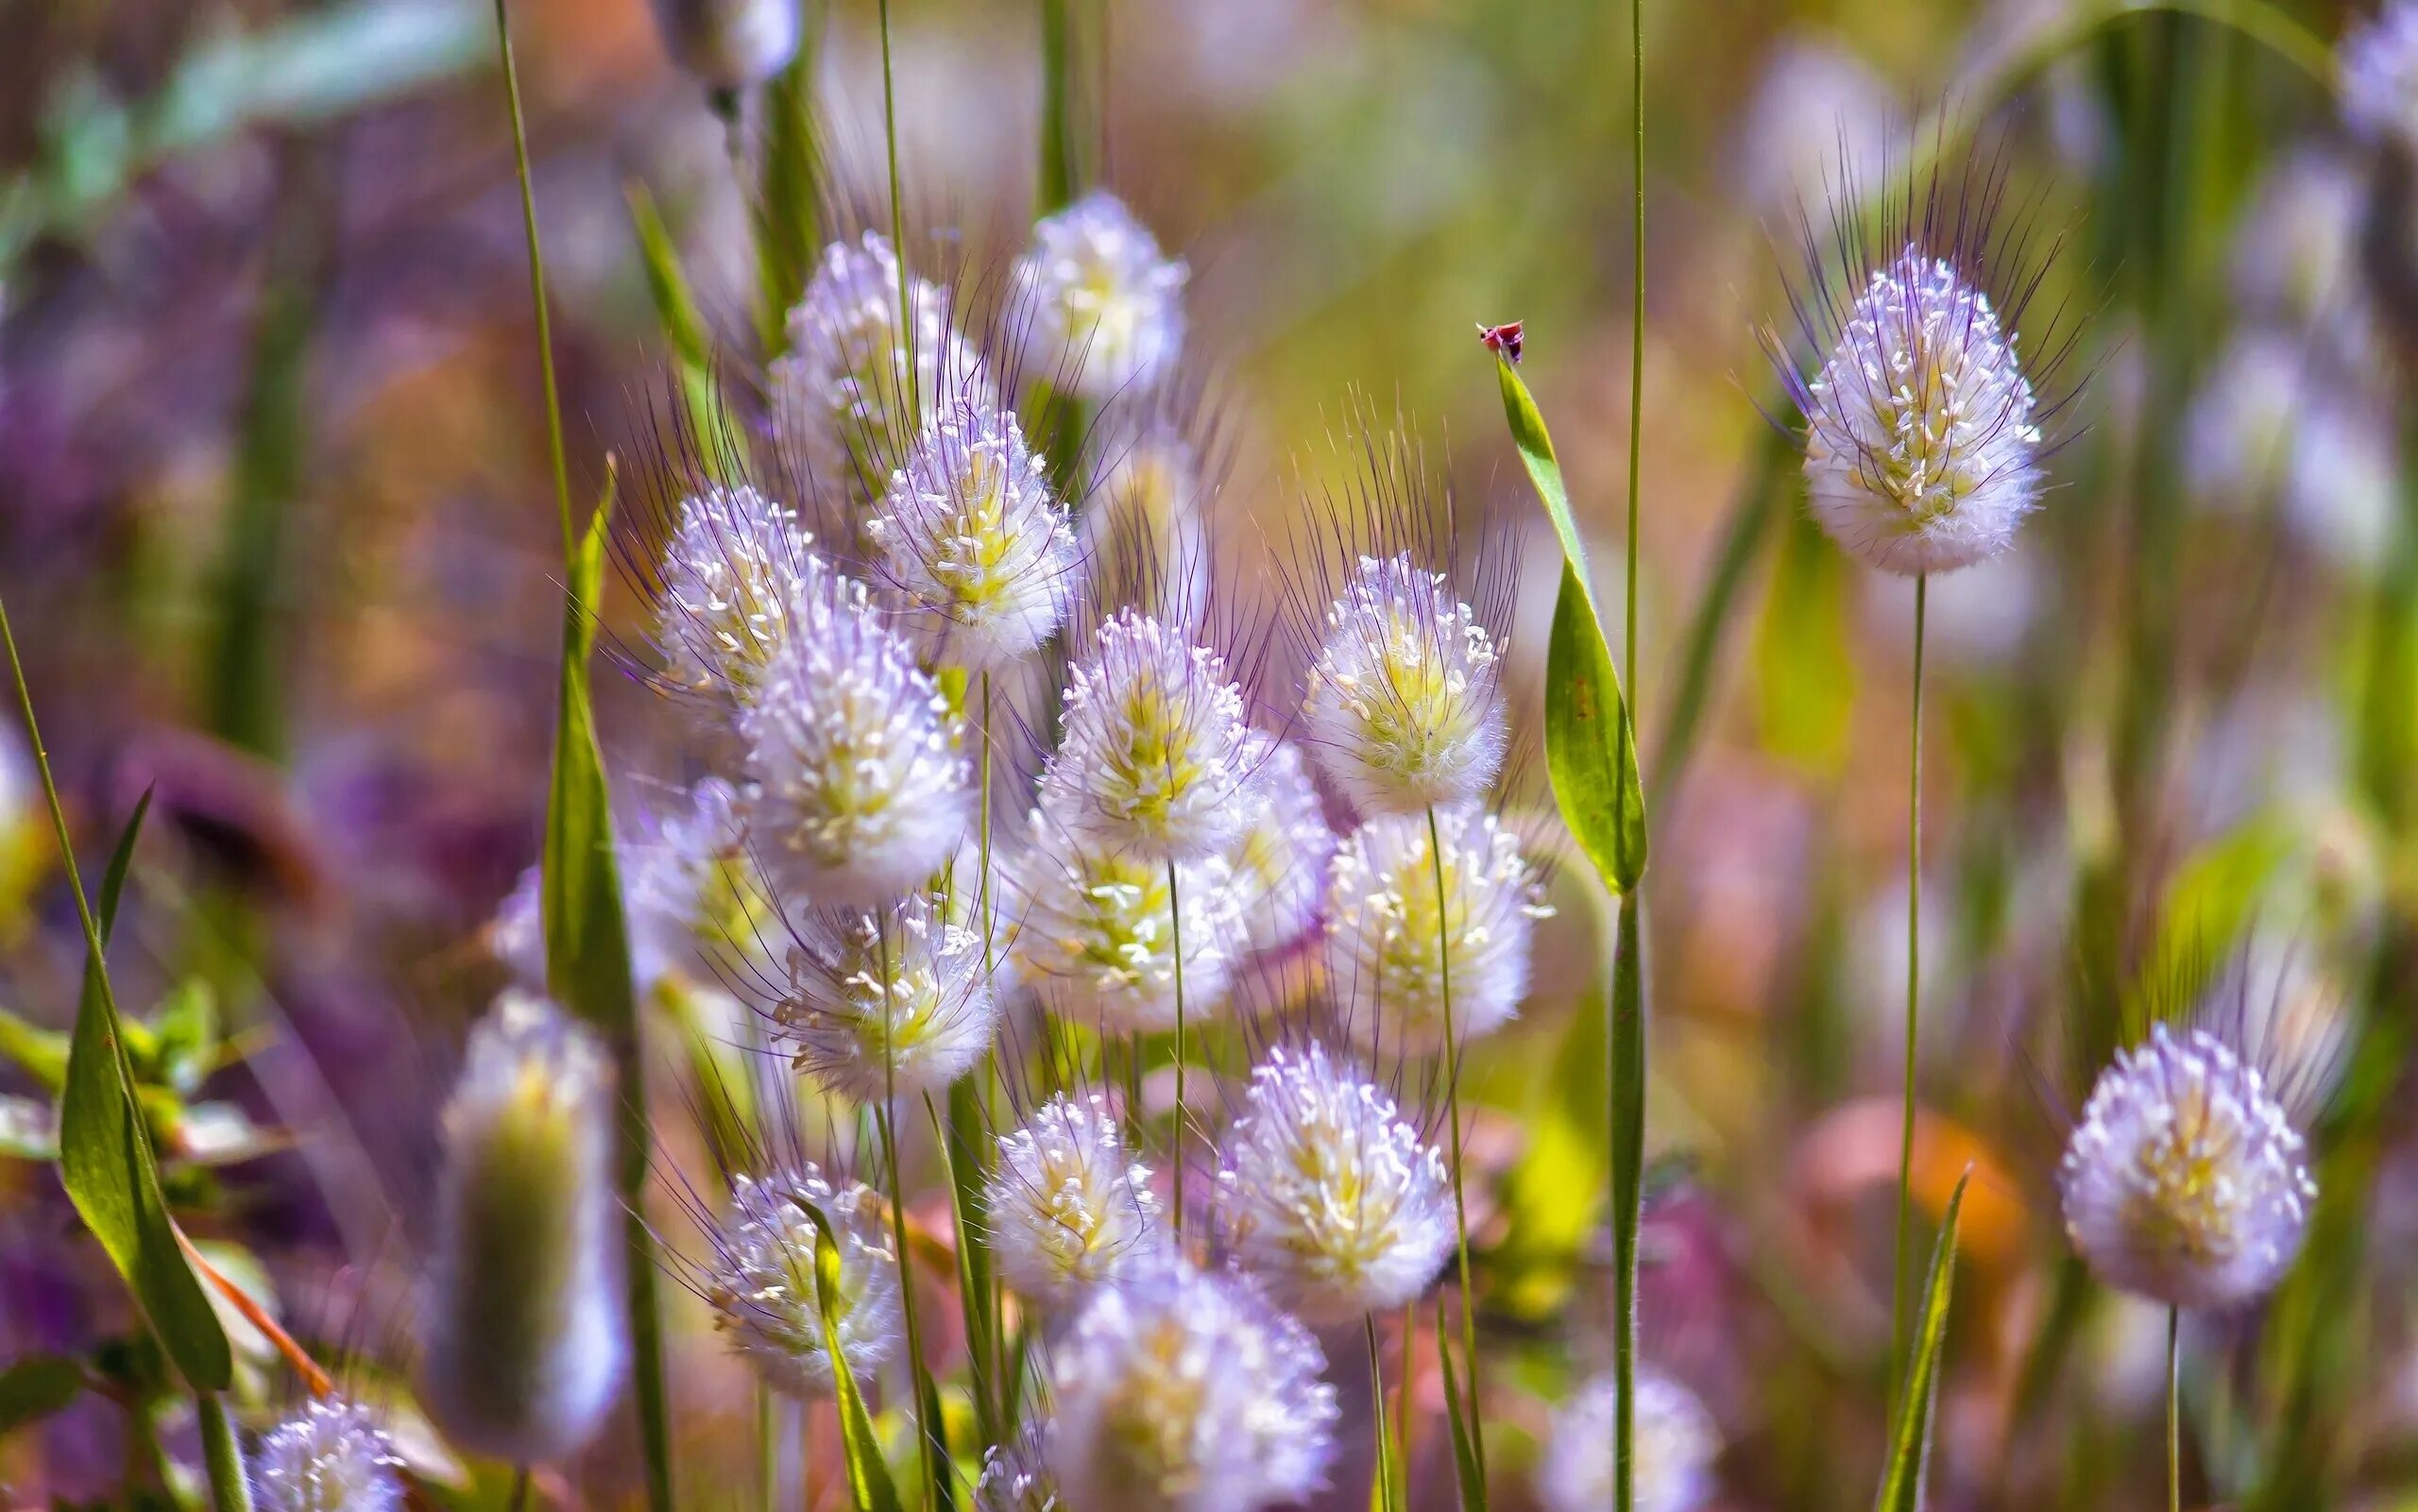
(847, 404)
(1676, 1442)
(736, 576)
(1401, 950)
(523, 1347)
(1099, 933)
(2185, 1182)
(1401, 709)
(729, 44)
(1144, 541)
(2378, 63)
(760, 1281)
(1104, 306)
(1926, 433)
(1156, 758)
(1922, 440)
(1327, 1195)
(1185, 1391)
(886, 1003)
(859, 788)
(331, 1456)
(1070, 1207)
(972, 536)
(1015, 1479)
(1279, 863)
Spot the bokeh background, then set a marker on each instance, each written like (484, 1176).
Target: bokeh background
(276, 534)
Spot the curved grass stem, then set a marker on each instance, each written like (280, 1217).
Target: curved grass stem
(1898, 1272)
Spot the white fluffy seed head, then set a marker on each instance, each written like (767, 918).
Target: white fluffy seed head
(973, 538)
(331, 1457)
(762, 1285)
(1327, 1195)
(1922, 447)
(1156, 758)
(2379, 77)
(523, 1349)
(888, 1003)
(738, 574)
(858, 785)
(1395, 955)
(729, 44)
(1280, 864)
(2185, 1182)
(1070, 1207)
(1185, 1391)
(1143, 540)
(1099, 932)
(1106, 309)
(1676, 1441)
(840, 397)
(1401, 709)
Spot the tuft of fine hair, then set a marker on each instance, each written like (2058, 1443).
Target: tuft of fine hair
(1069, 1206)
(331, 1456)
(892, 1002)
(1098, 931)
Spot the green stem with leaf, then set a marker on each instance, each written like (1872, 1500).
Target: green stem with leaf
(1898, 1270)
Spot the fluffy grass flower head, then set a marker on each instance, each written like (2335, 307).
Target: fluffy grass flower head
(973, 539)
(736, 575)
(1069, 1206)
(1156, 758)
(729, 44)
(761, 1285)
(895, 1001)
(1401, 708)
(1185, 1391)
(523, 1347)
(1676, 1441)
(1401, 949)
(2379, 77)
(2183, 1181)
(1102, 929)
(1279, 863)
(1328, 1196)
(331, 1457)
(859, 787)
(1106, 306)
(847, 402)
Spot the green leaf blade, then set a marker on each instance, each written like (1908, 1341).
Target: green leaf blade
(1902, 1487)
(870, 1489)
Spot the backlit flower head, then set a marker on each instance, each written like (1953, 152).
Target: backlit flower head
(2185, 1180)
(2379, 82)
(1401, 709)
(1676, 1441)
(736, 577)
(1922, 444)
(729, 44)
(1390, 964)
(1106, 306)
(1070, 1207)
(883, 1003)
(971, 535)
(1156, 758)
(523, 1346)
(1098, 933)
(1279, 863)
(1184, 1391)
(1144, 541)
(840, 396)
(859, 788)
(331, 1456)
(1328, 1196)
(761, 1285)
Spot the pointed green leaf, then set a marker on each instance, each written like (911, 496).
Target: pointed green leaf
(111, 1174)
(869, 1484)
(36, 1387)
(786, 240)
(40, 1053)
(1464, 1465)
(1902, 1487)
(675, 306)
(1591, 745)
(963, 1139)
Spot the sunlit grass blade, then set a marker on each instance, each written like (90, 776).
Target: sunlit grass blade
(786, 222)
(870, 1489)
(1901, 1484)
(1056, 184)
(961, 1137)
(1466, 1468)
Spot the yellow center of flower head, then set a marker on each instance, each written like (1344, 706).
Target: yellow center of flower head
(1401, 706)
(1157, 1417)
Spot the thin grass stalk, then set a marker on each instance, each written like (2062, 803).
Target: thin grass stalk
(1381, 1488)
(646, 1337)
(887, 1129)
(768, 1447)
(1408, 1368)
(1626, 1046)
(898, 221)
(2173, 1410)
(1452, 1115)
(1175, 940)
(229, 1488)
(1914, 991)
(1055, 184)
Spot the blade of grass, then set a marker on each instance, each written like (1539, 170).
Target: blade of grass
(1055, 184)
(1902, 1484)
(786, 224)
(958, 1139)
(588, 955)
(1470, 1475)
(870, 1489)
